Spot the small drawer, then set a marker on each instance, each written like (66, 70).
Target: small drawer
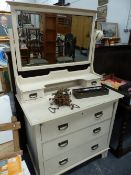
(68, 124)
(58, 164)
(65, 143)
(32, 95)
(95, 82)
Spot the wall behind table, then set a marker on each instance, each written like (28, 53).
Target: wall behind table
(118, 12)
(86, 4)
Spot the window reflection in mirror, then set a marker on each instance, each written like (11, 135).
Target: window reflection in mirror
(53, 38)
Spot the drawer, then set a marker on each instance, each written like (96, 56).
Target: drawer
(65, 143)
(32, 95)
(73, 156)
(60, 127)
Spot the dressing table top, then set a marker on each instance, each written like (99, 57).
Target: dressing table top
(37, 112)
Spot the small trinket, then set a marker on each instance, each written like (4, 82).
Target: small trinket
(61, 98)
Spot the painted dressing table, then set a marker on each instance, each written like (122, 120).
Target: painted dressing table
(62, 140)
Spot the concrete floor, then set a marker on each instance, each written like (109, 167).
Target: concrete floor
(107, 166)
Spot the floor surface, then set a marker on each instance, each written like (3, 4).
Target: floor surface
(107, 166)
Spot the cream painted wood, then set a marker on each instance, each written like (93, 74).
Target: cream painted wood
(44, 130)
(40, 134)
(112, 120)
(34, 147)
(65, 143)
(60, 127)
(31, 95)
(73, 156)
(57, 77)
(12, 47)
(37, 112)
(37, 150)
(15, 6)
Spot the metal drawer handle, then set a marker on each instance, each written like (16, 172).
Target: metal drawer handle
(63, 162)
(95, 147)
(63, 127)
(33, 95)
(97, 130)
(99, 114)
(94, 82)
(63, 144)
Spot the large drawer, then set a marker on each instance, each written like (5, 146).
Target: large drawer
(60, 127)
(65, 143)
(73, 156)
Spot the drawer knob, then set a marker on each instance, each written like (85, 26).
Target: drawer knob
(95, 147)
(63, 144)
(63, 127)
(63, 162)
(97, 130)
(99, 114)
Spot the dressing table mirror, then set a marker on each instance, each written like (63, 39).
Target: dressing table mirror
(55, 38)
(52, 37)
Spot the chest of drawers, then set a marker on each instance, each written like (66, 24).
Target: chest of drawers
(60, 142)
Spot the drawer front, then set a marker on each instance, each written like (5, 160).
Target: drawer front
(59, 163)
(65, 143)
(95, 82)
(60, 127)
(32, 95)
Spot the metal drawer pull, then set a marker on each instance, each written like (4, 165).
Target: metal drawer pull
(63, 162)
(97, 130)
(33, 95)
(95, 147)
(63, 127)
(94, 82)
(63, 144)
(99, 114)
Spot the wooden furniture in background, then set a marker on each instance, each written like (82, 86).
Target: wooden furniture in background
(12, 148)
(51, 25)
(64, 24)
(113, 60)
(120, 142)
(5, 82)
(4, 40)
(81, 33)
(34, 41)
(116, 60)
(48, 27)
(53, 138)
(110, 41)
(25, 56)
(129, 42)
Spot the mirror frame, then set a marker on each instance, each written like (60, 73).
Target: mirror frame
(18, 6)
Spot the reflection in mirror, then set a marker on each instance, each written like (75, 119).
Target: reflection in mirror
(53, 38)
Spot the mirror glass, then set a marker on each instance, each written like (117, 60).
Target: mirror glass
(47, 38)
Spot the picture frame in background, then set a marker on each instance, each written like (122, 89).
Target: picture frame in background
(110, 30)
(102, 2)
(5, 24)
(102, 12)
